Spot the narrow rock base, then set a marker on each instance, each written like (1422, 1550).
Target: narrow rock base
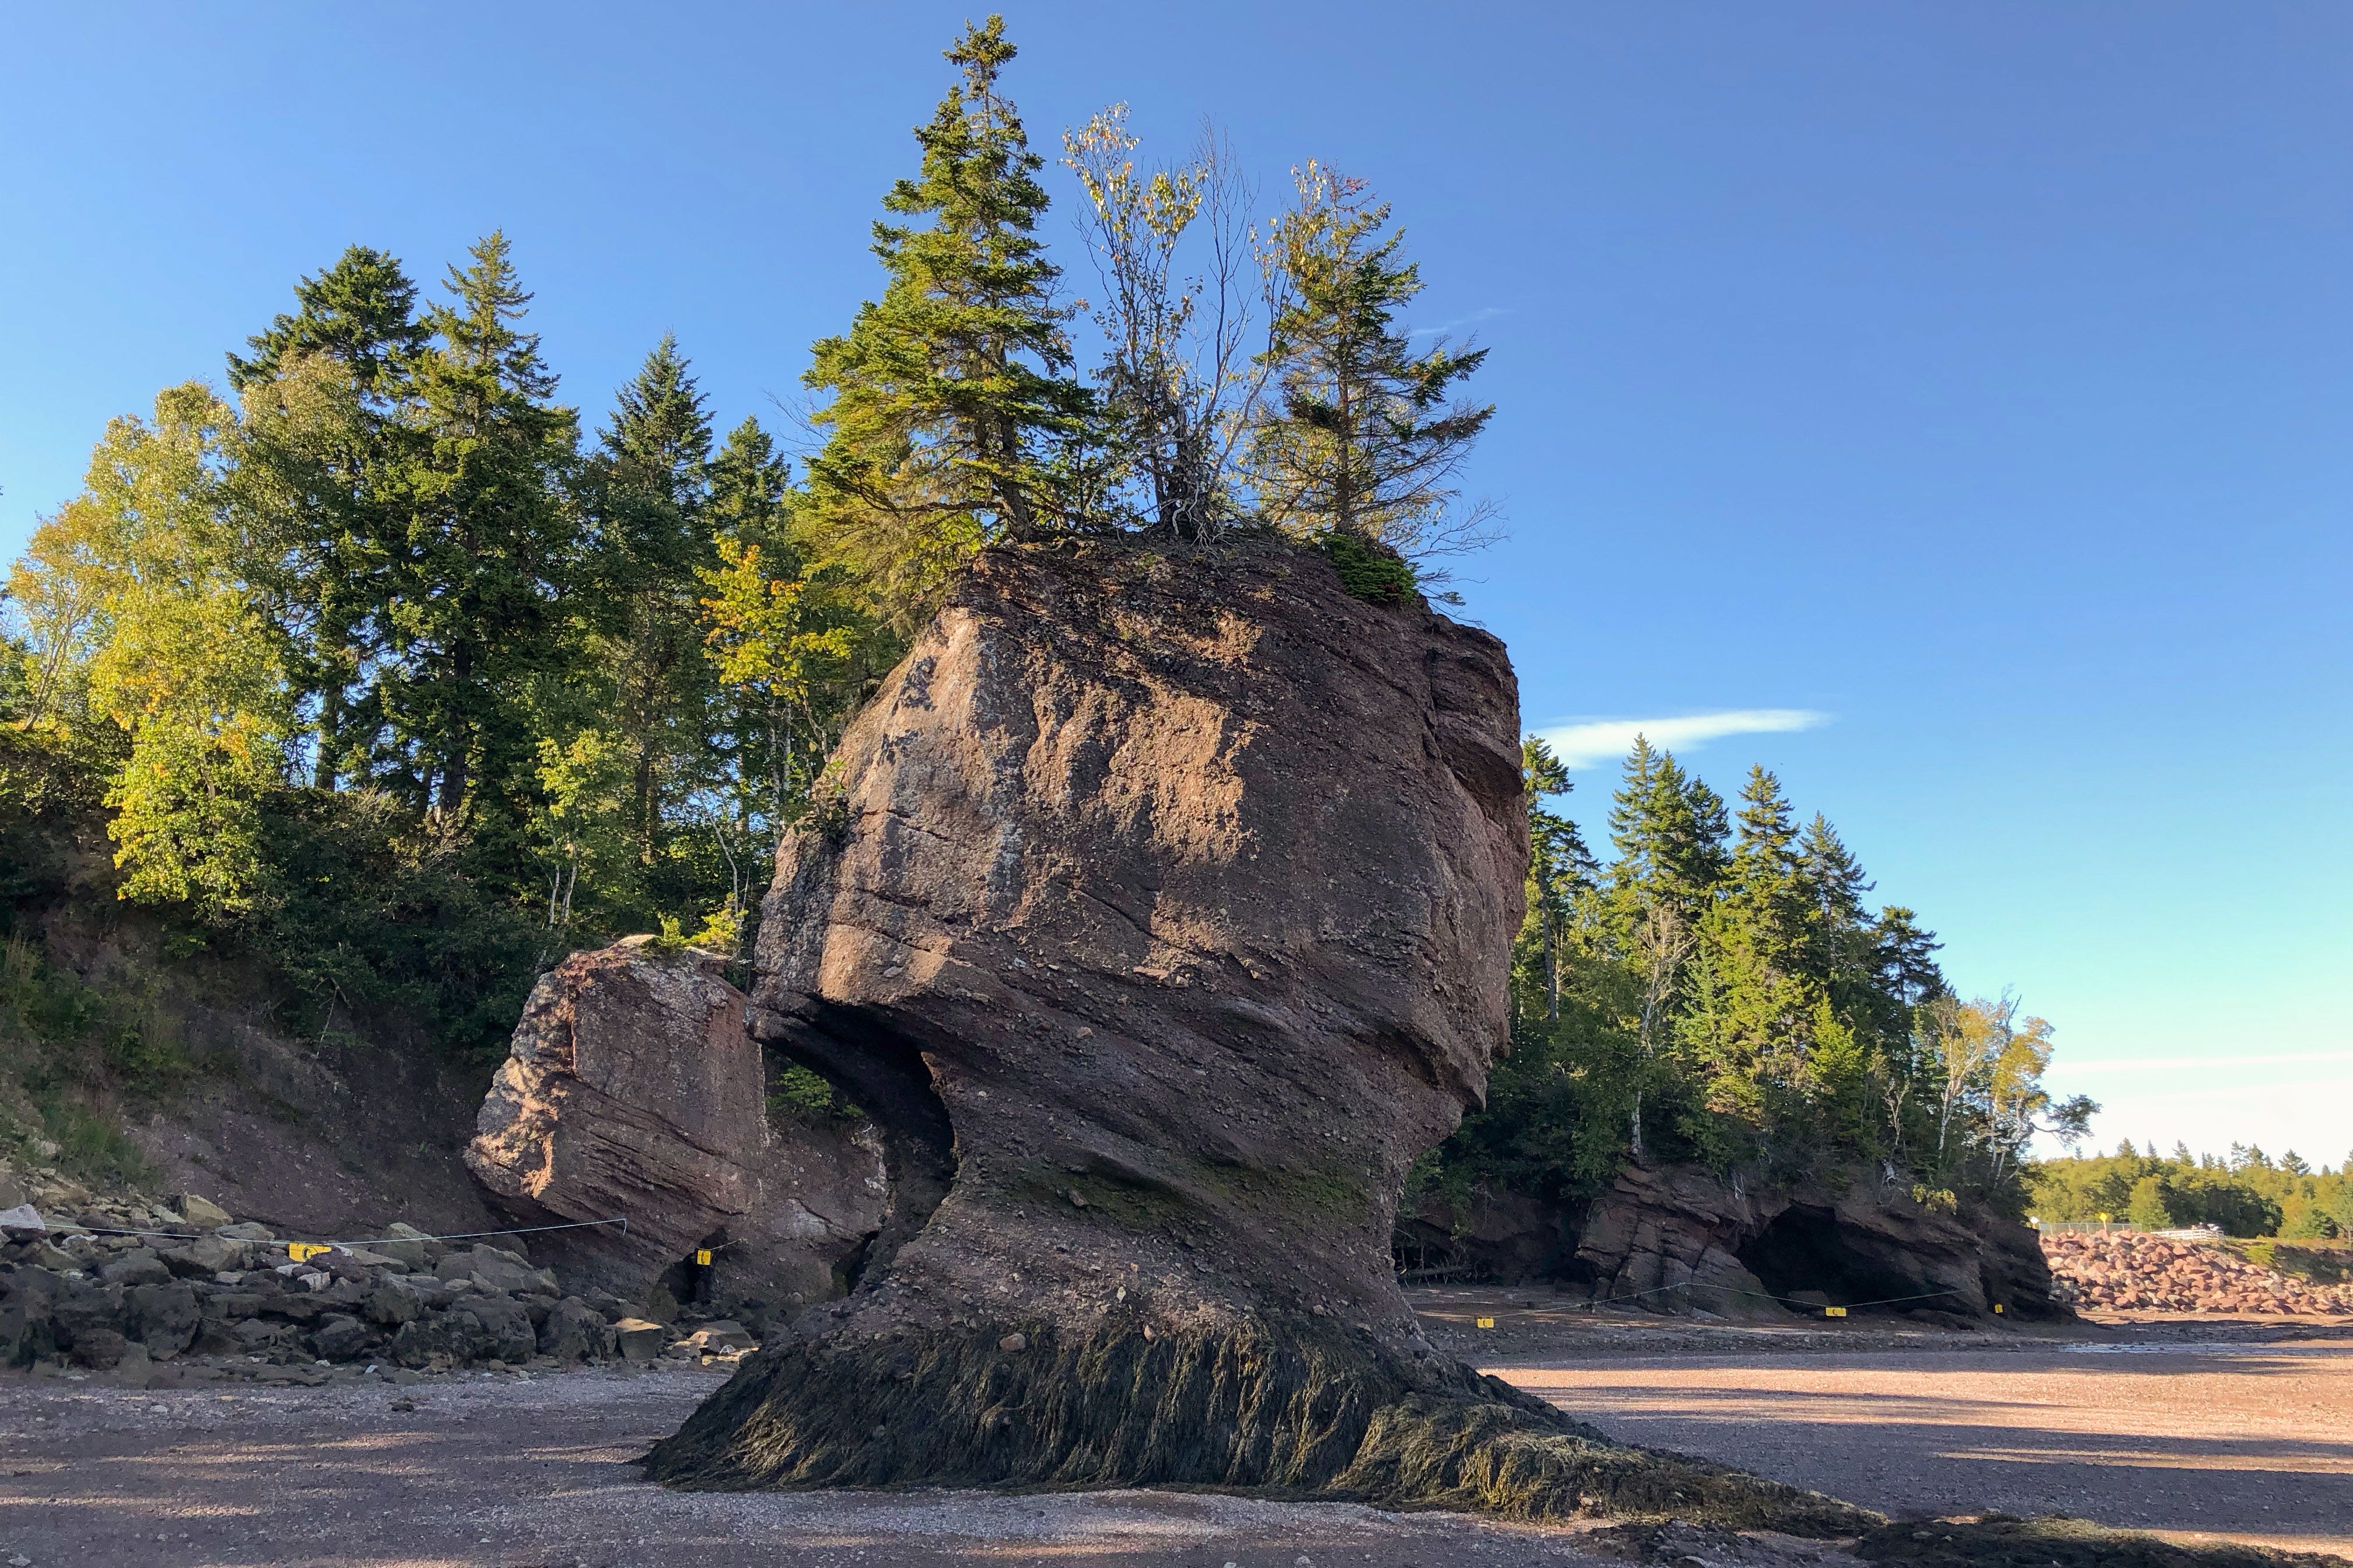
(1296, 1409)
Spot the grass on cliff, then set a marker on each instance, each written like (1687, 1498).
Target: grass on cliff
(73, 1055)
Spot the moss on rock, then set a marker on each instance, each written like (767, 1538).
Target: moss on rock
(1301, 1408)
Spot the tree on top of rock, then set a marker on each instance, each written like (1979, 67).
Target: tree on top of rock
(955, 420)
(1365, 437)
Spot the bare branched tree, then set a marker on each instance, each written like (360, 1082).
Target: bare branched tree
(1178, 381)
(1662, 940)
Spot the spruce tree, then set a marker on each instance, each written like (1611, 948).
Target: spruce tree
(1764, 871)
(649, 541)
(1669, 829)
(362, 311)
(491, 542)
(954, 414)
(1365, 436)
(1559, 864)
(1833, 879)
(322, 444)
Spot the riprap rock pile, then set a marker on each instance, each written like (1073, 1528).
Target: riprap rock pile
(2128, 1272)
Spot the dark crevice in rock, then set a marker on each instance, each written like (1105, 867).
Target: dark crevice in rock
(880, 1068)
(1805, 1248)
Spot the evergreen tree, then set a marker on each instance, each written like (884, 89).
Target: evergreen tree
(1906, 956)
(954, 417)
(361, 312)
(323, 439)
(648, 488)
(1669, 830)
(1559, 864)
(1834, 881)
(1365, 436)
(491, 539)
(1767, 891)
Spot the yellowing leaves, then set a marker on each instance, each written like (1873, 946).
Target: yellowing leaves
(131, 596)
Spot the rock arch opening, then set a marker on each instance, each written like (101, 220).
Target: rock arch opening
(1805, 1252)
(878, 1066)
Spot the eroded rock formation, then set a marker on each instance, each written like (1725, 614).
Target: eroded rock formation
(632, 1090)
(1161, 920)
(1678, 1239)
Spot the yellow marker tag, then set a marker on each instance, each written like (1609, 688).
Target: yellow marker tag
(303, 1251)
(703, 1256)
(1486, 1322)
(1833, 1312)
(1996, 1306)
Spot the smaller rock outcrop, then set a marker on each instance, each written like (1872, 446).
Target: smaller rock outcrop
(1677, 1238)
(632, 1092)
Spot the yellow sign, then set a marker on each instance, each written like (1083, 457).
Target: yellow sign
(1996, 1306)
(303, 1251)
(703, 1256)
(2103, 1219)
(1486, 1322)
(1833, 1312)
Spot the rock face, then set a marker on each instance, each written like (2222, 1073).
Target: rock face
(632, 1091)
(1676, 1238)
(1161, 921)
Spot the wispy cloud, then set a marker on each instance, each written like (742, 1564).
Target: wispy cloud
(1593, 742)
(1473, 320)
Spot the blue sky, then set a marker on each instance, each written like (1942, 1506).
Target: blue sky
(1946, 406)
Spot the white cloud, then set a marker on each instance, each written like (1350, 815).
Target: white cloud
(1594, 742)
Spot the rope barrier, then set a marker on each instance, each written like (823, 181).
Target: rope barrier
(76, 1228)
(1762, 1296)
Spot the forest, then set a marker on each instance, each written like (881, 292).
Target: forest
(2245, 1193)
(375, 670)
(1720, 992)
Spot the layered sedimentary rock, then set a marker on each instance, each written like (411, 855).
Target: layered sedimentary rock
(1677, 1238)
(633, 1092)
(1161, 918)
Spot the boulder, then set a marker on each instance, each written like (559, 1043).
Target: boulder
(164, 1317)
(1161, 918)
(575, 1331)
(407, 1244)
(203, 1211)
(632, 1091)
(474, 1327)
(639, 1340)
(493, 1269)
(140, 1268)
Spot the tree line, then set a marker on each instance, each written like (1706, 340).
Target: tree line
(1720, 991)
(2245, 1193)
(379, 665)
